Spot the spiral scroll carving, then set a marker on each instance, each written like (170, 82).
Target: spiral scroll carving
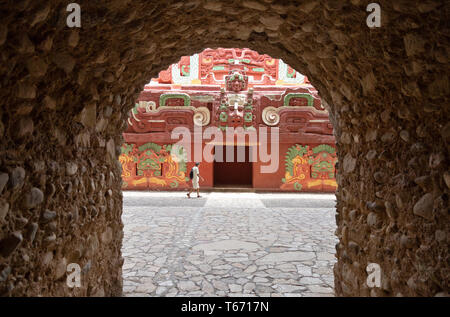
(201, 116)
(270, 116)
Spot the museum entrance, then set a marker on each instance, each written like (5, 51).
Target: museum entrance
(232, 169)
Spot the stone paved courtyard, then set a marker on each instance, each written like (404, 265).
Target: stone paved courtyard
(228, 244)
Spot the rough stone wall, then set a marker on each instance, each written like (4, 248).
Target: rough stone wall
(65, 93)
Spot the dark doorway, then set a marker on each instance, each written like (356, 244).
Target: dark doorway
(232, 173)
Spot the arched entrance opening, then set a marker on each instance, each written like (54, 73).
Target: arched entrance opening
(66, 91)
(250, 119)
(239, 238)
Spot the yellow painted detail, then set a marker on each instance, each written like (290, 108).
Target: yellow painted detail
(314, 183)
(287, 176)
(330, 182)
(143, 180)
(283, 83)
(157, 181)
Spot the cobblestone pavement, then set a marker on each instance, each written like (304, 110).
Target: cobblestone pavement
(228, 244)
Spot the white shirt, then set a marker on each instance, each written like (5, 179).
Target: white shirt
(195, 171)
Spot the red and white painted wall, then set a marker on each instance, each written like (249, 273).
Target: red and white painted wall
(230, 100)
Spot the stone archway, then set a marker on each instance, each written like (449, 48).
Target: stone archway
(65, 94)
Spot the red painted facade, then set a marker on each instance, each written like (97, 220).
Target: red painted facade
(213, 92)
